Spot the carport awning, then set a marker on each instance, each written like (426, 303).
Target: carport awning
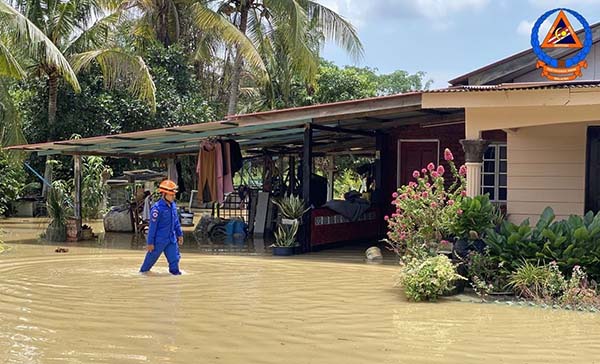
(348, 125)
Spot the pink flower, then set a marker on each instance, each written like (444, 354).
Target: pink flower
(423, 170)
(441, 170)
(462, 170)
(427, 184)
(395, 195)
(444, 241)
(416, 174)
(448, 155)
(425, 194)
(463, 193)
(431, 166)
(434, 204)
(450, 202)
(412, 184)
(459, 211)
(402, 236)
(394, 215)
(434, 174)
(386, 217)
(416, 197)
(403, 196)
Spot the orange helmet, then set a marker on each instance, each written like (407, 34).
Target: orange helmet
(167, 186)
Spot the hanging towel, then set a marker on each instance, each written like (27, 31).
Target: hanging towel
(219, 172)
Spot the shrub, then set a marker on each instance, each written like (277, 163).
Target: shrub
(12, 181)
(93, 189)
(544, 282)
(578, 292)
(477, 216)
(570, 242)
(427, 279)
(425, 210)
(486, 271)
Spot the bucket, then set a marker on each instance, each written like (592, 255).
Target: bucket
(73, 229)
(373, 253)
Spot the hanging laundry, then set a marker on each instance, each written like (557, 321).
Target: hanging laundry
(172, 170)
(235, 157)
(210, 172)
(227, 173)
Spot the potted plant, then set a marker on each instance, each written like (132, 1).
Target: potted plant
(285, 239)
(86, 232)
(292, 209)
(57, 211)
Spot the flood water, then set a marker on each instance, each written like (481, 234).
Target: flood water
(91, 306)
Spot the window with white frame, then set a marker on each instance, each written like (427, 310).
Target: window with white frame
(493, 174)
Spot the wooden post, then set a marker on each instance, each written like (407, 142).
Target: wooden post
(306, 177)
(77, 180)
(330, 169)
(378, 193)
(292, 176)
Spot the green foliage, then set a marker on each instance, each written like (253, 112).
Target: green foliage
(12, 181)
(485, 271)
(291, 207)
(476, 217)
(427, 279)
(285, 236)
(570, 242)
(401, 81)
(350, 83)
(93, 190)
(347, 180)
(531, 281)
(58, 204)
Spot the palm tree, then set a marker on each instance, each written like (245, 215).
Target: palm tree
(291, 25)
(82, 30)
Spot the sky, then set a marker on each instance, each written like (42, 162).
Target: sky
(445, 38)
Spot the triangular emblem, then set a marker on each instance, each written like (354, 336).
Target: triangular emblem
(561, 34)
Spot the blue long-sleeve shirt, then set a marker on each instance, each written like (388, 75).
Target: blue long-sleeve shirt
(164, 223)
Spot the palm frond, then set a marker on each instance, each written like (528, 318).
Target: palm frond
(95, 35)
(32, 39)
(208, 20)
(336, 28)
(120, 68)
(9, 65)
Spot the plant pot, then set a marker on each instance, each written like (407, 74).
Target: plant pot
(283, 251)
(56, 233)
(73, 229)
(285, 221)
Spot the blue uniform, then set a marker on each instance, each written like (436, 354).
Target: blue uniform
(163, 232)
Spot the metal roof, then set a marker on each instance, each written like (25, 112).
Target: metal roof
(279, 130)
(519, 86)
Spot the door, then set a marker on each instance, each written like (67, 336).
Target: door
(415, 155)
(592, 183)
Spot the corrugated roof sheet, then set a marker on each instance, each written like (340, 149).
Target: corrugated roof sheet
(519, 86)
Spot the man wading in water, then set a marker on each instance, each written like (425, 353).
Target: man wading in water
(164, 232)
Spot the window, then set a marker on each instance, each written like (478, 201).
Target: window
(493, 174)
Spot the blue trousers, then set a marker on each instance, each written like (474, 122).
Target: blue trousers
(171, 251)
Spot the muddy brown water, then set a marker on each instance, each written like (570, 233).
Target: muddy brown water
(91, 306)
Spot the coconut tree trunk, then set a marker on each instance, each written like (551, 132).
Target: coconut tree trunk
(52, 98)
(237, 66)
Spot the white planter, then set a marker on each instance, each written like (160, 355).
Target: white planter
(285, 221)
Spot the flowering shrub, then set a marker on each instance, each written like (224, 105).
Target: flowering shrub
(425, 210)
(427, 279)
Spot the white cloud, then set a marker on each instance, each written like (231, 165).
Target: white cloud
(545, 4)
(439, 12)
(525, 26)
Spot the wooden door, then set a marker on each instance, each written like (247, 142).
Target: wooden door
(415, 155)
